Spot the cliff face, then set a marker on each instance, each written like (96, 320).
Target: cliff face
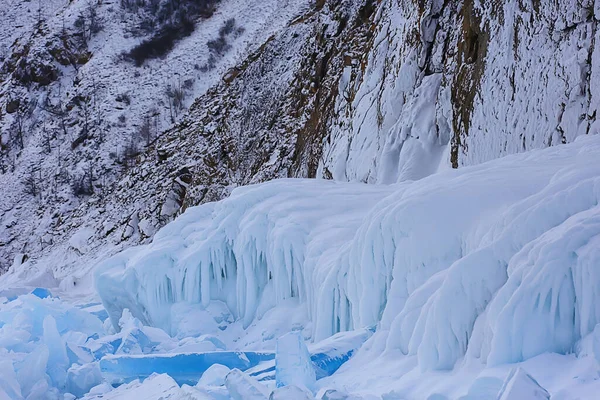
(362, 90)
(459, 83)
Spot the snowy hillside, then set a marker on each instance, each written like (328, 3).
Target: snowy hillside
(352, 90)
(71, 128)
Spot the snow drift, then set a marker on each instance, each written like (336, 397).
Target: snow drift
(495, 260)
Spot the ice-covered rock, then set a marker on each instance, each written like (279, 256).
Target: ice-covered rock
(242, 387)
(293, 365)
(520, 385)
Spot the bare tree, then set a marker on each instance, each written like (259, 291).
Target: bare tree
(145, 130)
(40, 12)
(31, 182)
(17, 128)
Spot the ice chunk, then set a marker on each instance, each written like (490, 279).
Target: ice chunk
(520, 385)
(82, 378)
(134, 341)
(242, 387)
(32, 369)
(58, 361)
(327, 356)
(42, 293)
(214, 376)
(99, 390)
(156, 387)
(291, 393)
(8, 381)
(185, 368)
(104, 345)
(293, 365)
(42, 391)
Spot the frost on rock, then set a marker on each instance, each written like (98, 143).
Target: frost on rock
(492, 260)
(293, 365)
(520, 385)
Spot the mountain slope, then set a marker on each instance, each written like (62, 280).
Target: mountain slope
(378, 92)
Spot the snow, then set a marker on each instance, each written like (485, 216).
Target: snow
(293, 366)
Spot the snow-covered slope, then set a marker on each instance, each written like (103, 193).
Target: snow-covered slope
(352, 90)
(493, 263)
(80, 121)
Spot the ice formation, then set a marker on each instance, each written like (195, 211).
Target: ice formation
(293, 365)
(486, 259)
(243, 387)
